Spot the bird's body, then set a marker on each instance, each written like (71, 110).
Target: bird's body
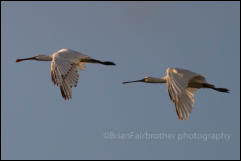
(182, 85)
(64, 68)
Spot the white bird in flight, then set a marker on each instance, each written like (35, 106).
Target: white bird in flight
(64, 68)
(182, 85)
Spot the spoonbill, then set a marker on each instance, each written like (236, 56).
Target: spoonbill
(182, 85)
(64, 68)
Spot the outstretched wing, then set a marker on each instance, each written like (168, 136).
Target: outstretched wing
(179, 92)
(64, 73)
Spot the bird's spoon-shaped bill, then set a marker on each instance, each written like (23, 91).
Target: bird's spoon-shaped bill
(141, 80)
(18, 60)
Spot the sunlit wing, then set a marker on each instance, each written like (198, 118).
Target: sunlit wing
(180, 94)
(185, 104)
(64, 74)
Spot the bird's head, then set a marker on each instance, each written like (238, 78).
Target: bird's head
(42, 57)
(145, 79)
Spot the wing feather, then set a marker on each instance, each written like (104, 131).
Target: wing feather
(179, 92)
(72, 77)
(64, 73)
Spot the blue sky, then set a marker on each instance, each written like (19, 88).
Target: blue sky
(143, 39)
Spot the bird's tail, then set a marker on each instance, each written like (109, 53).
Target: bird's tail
(101, 62)
(206, 85)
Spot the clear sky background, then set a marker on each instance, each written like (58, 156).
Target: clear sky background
(143, 39)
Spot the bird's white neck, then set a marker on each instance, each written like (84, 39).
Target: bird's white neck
(154, 80)
(43, 58)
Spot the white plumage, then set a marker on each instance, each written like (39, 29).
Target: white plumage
(64, 68)
(182, 85)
